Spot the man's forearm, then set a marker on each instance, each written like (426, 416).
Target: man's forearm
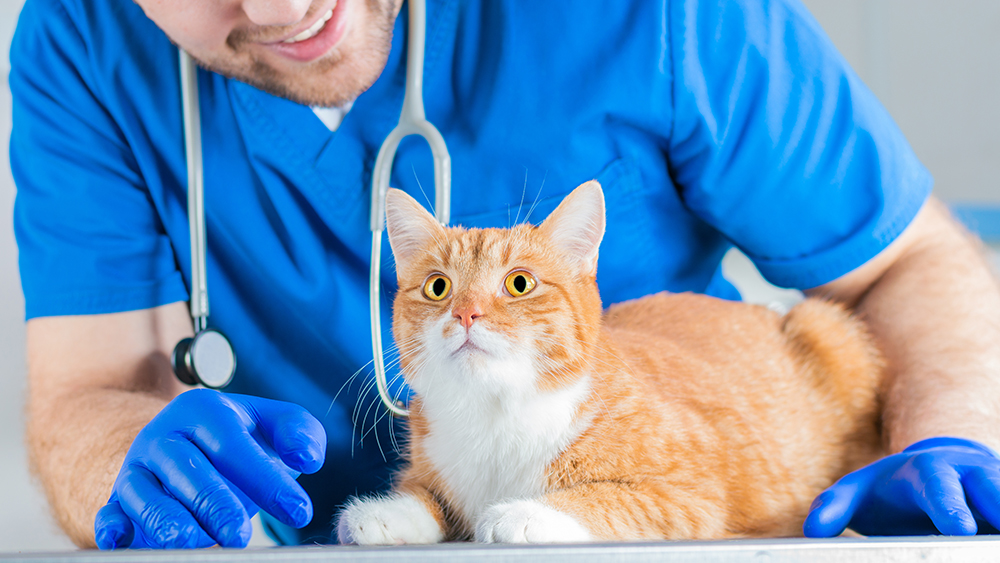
(76, 446)
(936, 315)
(93, 384)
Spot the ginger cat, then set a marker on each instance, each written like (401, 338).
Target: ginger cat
(538, 419)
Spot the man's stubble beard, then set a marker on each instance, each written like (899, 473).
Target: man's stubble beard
(313, 84)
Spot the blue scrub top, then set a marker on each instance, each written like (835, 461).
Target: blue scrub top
(709, 124)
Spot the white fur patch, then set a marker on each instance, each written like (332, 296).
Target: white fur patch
(491, 433)
(528, 521)
(392, 520)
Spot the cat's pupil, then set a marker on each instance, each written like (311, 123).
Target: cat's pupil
(520, 283)
(438, 287)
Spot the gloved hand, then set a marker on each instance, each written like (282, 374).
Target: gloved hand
(945, 486)
(195, 475)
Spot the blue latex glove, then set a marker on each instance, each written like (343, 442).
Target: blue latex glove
(947, 486)
(195, 475)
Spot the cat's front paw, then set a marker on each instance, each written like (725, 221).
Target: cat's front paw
(392, 520)
(528, 521)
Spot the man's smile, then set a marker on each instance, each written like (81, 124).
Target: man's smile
(312, 39)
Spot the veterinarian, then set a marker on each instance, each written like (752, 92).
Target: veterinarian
(709, 124)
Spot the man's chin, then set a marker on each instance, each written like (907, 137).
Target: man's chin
(322, 87)
(335, 79)
(329, 82)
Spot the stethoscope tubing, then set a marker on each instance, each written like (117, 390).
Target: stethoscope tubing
(412, 121)
(196, 190)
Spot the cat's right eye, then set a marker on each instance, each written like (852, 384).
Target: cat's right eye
(437, 287)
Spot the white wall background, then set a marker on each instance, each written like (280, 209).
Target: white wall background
(24, 520)
(934, 63)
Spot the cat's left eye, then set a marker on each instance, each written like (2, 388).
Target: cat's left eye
(519, 283)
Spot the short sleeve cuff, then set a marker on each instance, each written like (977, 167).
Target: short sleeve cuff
(823, 267)
(147, 296)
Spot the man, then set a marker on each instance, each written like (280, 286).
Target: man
(708, 124)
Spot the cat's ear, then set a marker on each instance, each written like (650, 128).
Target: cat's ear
(577, 225)
(410, 226)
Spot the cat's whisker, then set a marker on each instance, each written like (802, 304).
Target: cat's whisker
(365, 388)
(350, 379)
(537, 196)
(362, 396)
(361, 426)
(392, 426)
(369, 386)
(421, 188)
(385, 412)
(524, 190)
(379, 417)
(376, 400)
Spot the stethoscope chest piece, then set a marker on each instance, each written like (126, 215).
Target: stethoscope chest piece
(207, 359)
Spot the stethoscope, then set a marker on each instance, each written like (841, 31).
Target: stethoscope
(208, 358)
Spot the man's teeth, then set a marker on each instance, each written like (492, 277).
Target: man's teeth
(316, 28)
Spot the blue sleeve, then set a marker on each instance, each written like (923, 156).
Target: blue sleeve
(778, 144)
(89, 237)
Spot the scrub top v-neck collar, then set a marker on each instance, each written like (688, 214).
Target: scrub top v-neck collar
(333, 169)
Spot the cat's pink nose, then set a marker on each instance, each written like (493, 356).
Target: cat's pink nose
(467, 315)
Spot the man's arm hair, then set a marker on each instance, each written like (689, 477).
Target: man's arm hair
(933, 304)
(94, 381)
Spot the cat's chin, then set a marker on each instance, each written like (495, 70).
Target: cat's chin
(470, 358)
(470, 348)
(475, 364)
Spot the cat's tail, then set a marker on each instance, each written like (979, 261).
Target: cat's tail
(839, 351)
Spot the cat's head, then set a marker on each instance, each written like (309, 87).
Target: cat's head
(496, 312)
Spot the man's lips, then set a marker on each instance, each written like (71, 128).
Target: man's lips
(311, 30)
(316, 42)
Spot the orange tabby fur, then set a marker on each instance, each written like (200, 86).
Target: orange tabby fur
(703, 419)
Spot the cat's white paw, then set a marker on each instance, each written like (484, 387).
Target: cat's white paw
(390, 520)
(528, 521)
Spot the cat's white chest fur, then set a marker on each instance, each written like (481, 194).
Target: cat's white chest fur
(487, 451)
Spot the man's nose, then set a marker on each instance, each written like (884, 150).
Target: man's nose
(276, 12)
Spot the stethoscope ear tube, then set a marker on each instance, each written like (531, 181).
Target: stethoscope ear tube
(412, 121)
(208, 358)
(191, 355)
